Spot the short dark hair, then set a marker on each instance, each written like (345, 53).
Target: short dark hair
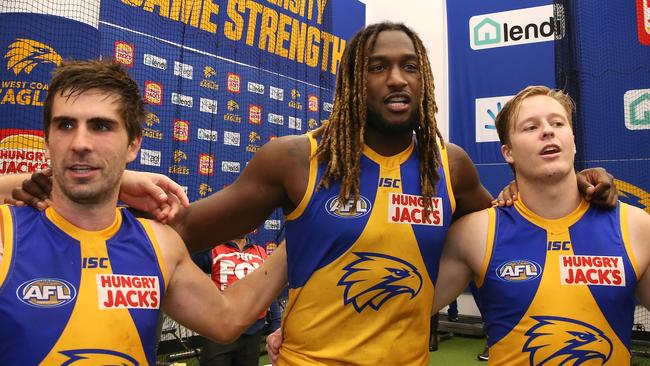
(76, 77)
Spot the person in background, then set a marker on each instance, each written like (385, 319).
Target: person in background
(228, 263)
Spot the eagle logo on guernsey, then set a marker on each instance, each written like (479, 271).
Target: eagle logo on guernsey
(349, 209)
(557, 340)
(93, 357)
(46, 292)
(25, 54)
(375, 278)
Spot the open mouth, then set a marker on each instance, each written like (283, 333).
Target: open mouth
(550, 150)
(398, 102)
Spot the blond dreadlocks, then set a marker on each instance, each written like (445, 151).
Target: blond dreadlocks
(342, 136)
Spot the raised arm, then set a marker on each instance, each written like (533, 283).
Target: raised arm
(462, 257)
(470, 194)
(193, 300)
(275, 177)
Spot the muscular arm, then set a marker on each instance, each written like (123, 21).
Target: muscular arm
(462, 257)
(194, 301)
(639, 235)
(275, 177)
(470, 194)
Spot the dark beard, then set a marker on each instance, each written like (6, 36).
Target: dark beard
(381, 125)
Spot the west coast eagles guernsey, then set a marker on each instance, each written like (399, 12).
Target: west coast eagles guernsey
(70, 296)
(362, 281)
(558, 292)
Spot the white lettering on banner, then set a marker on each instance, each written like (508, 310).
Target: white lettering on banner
(183, 70)
(149, 157)
(592, 270)
(128, 292)
(409, 209)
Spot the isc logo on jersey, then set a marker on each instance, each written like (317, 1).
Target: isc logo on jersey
(519, 270)
(46, 292)
(128, 292)
(409, 209)
(592, 270)
(335, 208)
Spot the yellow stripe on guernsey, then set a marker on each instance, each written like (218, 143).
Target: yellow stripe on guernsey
(551, 295)
(7, 243)
(307, 304)
(86, 312)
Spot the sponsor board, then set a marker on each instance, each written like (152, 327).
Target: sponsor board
(150, 157)
(124, 53)
(207, 135)
(515, 27)
(231, 138)
(182, 100)
(276, 93)
(230, 166)
(22, 151)
(208, 105)
(234, 83)
(153, 92)
(255, 88)
(185, 71)
(155, 61)
(206, 164)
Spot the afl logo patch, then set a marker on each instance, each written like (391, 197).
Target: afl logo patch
(349, 209)
(519, 270)
(46, 292)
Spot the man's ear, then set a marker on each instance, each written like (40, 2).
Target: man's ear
(134, 147)
(506, 151)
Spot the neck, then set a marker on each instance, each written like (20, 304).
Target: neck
(387, 145)
(91, 217)
(550, 199)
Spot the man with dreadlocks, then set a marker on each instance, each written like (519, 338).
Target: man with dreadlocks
(368, 198)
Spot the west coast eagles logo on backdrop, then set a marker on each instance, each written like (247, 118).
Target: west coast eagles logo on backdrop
(557, 340)
(25, 54)
(375, 278)
(633, 195)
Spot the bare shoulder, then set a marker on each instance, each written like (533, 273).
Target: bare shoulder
(639, 235)
(171, 245)
(469, 226)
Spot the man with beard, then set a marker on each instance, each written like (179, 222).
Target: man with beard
(368, 198)
(85, 281)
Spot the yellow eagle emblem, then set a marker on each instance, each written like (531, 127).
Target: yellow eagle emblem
(25, 54)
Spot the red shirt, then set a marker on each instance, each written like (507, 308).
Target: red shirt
(230, 264)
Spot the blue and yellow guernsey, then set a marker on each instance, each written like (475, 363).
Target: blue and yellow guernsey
(75, 297)
(362, 281)
(558, 292)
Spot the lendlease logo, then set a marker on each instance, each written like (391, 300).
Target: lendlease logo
(486, 114)
(515, 27)
(637, 109)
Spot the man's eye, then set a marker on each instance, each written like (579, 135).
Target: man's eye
(375, 68)
(411, 68)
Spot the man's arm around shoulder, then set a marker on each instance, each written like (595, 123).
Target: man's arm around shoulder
(195, 301)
